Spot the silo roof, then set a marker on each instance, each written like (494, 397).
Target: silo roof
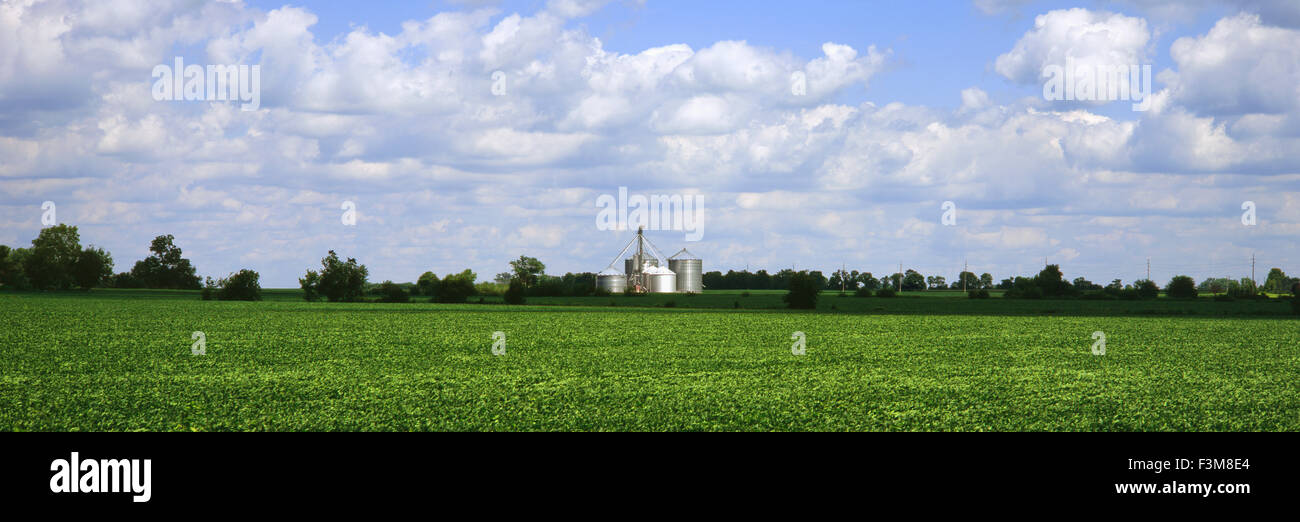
(688, 255)
(609, 271)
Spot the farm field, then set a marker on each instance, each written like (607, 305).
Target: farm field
(110, 362)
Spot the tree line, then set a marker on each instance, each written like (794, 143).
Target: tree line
(56, 260)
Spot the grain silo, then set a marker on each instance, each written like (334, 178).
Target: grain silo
(643, 270)
(660, 280)
(611, 281)
(689, 270)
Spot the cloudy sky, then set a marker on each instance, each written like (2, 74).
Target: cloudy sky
(469, 132)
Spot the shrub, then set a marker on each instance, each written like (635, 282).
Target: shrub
(1100, 296)
(886, 292)
(978, 294)
(390, 292)
(456, 288)
(862, 292)
(515, 293)
(1181, 287)
(803, 292)
(489, 288)
(602, 292)
(240, 286)
(1295, 305)
(209, 290)
(1224, 298)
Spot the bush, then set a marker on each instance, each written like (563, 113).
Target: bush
(670, 304)
(1295, 305)
(803, 292)
(978, 294)
(602, 292)
(515, 293)
(209, 290)
(240, 286)
(862, 292)
(1100, 296)
(1224, 298)
(886, 292)
(489, 288)
(390, 292)
(456, 288)
(1181, 287)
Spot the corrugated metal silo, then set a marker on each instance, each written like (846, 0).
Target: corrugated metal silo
(689, 270)
(661, 280)
(611, 281)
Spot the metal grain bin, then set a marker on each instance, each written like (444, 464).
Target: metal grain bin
(630, 264)
(661, 280)
(689, 270)
(611, 281)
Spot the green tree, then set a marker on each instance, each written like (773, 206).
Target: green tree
(1051, 281)
(455, 288)
(240, 286)
(310, 285)
(166, 268)
(11, 268)
(391, 292)
(1147, 289)
(515, 293)
(966, 281)
(94, 267)
(1277, 282)
(803, 291)
(338, 281)
(1181, 287)
(428, 284)
(527, 269)
(986, 280)
(913, 281)
(53, 257)
(869, 281)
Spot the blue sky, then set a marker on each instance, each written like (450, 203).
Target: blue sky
(389, 105)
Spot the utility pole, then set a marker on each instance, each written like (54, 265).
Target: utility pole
(842, 276)
(900, 276)
(1148, 269)
(1252, 272)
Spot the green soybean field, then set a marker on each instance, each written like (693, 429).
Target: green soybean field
(130, 363)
